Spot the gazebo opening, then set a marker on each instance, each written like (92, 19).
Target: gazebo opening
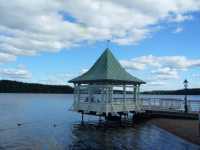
(107, 88)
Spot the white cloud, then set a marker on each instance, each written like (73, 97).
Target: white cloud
(177, 62)
(156, 83)
(83, 71)
(165, 73)
(4, 57)
(56, 78)
(178, 30)
(15, 73)
(161, 70)
(32, 27)
(181, 18)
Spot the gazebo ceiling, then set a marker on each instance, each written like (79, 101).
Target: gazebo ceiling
(107, 70)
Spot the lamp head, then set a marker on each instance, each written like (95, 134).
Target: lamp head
(185, 83)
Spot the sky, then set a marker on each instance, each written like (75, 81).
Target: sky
(53, 41)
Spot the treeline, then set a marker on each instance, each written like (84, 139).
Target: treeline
(7, 86)
(195, 91)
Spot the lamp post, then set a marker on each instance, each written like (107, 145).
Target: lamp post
(185, 99)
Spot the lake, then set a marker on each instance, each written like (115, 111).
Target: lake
(44, 122)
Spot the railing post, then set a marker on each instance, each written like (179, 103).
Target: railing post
(124, 96)
(150, 103)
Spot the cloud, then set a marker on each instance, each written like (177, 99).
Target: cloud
(176, 62)
(180, 18)
(140, 63)
(15, 73)
(56, 78)
(178, 30)
(156, 83)
(165, 73)
(83, 71)
(161, 70)
(32, 27)
(6, 57)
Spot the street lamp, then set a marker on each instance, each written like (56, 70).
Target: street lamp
(185, 99)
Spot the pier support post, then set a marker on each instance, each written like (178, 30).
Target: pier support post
(100, 119)
(120, 119)
(133, 117)
(82, 117)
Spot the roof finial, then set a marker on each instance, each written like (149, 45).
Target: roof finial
(108, 44)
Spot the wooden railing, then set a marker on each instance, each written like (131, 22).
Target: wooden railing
(157, 104)
(169, 104)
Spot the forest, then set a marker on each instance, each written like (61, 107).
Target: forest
(8, 86)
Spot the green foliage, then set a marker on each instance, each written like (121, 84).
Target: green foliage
(7, 86)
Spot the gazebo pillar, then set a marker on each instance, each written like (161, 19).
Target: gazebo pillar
(138, 92)
(111, 93)
(74, 95)
(134, 92)
(77, 93)
(124, 95)
(89, 93)
(106, 99)
(138, 96)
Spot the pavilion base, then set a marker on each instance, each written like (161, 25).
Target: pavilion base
(118, 116)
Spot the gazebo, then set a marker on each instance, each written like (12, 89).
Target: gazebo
(106, 89)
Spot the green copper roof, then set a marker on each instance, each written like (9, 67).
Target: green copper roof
(107, 69)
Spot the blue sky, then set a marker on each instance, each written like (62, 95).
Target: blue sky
(60, 40)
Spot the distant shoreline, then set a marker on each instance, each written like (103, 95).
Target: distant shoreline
(33, 93)
(7, 86)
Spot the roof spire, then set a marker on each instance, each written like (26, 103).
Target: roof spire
(108, 44)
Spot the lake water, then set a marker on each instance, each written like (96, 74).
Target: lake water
(44, 122)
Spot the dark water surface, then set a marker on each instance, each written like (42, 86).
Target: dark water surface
(44, 122)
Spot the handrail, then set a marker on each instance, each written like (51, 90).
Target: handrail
(167, 104)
